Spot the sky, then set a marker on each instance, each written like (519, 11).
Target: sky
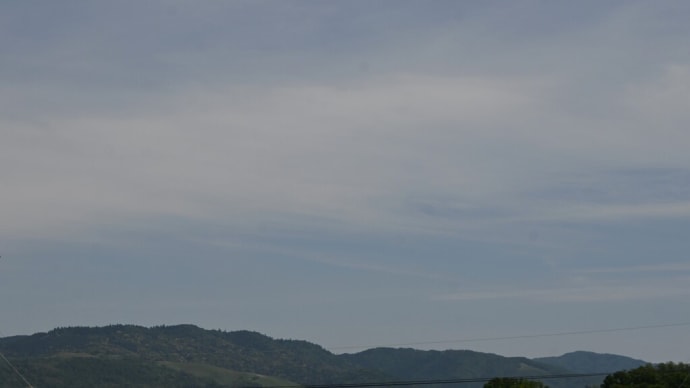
(351, 173)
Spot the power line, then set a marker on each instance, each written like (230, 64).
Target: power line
(439, 381)
(482, 339)
(16, 371)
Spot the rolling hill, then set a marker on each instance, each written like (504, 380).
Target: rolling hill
(586, 362)
(188, 356)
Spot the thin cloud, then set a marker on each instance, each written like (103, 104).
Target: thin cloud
(660, 267)
(611, 213)
(492, 140)
(351, 262)
(589, 294)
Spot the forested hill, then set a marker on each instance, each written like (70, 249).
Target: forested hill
(587, 362)
(242, 351)
(412, 364)
(186, 355)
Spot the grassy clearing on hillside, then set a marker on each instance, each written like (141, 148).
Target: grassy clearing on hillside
(226, 376)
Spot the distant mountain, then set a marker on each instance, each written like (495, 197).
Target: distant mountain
(589, 362)
(188, 356)
(412, 364)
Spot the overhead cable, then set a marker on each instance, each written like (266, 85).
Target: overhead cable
(524, 336)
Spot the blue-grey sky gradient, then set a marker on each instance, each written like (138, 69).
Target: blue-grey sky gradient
(350, 173)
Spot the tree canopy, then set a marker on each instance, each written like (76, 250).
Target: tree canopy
(651, 376)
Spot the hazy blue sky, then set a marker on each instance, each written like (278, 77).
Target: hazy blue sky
(350, 173)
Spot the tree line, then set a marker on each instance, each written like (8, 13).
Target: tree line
(664, 375)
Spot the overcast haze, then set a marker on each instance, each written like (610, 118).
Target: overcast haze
(351, 173)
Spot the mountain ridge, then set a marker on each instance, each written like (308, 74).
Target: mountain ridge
(581, 361)
(165, 355)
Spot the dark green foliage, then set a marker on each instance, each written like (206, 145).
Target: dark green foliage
(97, 372)
(669, 375)
(244, 351)
(505, 382)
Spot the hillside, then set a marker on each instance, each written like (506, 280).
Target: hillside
(172, 347)
(412, 364)
(186, 355)
(586, 362)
